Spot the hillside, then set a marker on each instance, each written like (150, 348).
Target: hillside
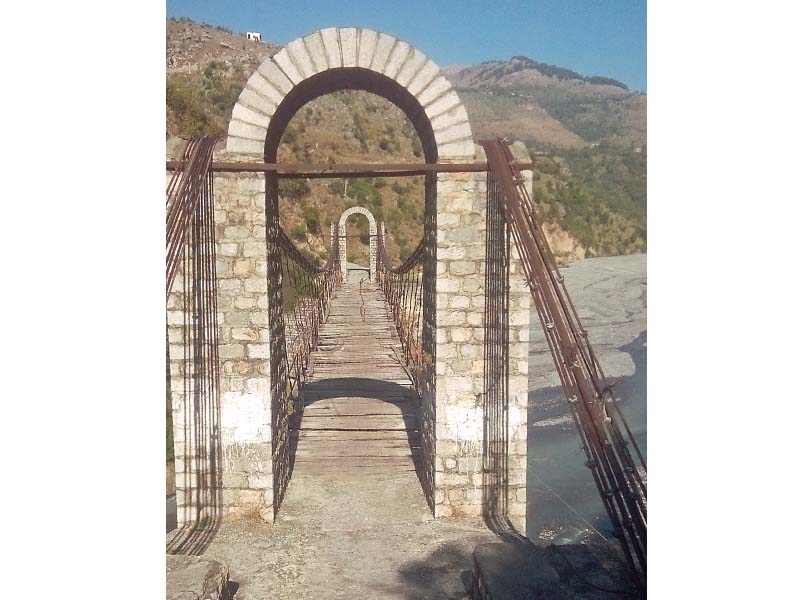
(587, 134)
(547, 106)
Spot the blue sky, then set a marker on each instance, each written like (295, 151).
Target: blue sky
(592, 37)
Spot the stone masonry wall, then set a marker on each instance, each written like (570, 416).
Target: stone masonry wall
(244, 344)
(181, 421)
(243, 347)
(244, 350)
(461, 248)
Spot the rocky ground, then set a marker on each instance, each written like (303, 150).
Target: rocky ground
(191, 46)
(335, 539)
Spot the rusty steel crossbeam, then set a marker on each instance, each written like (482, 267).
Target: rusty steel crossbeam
(321, 171)
(604, 433)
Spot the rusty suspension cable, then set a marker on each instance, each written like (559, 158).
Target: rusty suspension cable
(191, 260)
(402, 288)
(604, 433)
(184, 191)
(306, 290)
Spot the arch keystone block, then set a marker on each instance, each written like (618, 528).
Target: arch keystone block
(333, 53)
(348, 38)
(366, 47)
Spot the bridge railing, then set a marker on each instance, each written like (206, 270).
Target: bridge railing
(616, 463)
(299, 294)
(306, 290)
(402, 288)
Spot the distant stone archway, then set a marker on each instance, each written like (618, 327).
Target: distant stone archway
(373, 238)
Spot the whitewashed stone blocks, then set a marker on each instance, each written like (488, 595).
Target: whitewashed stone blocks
(333, 53)
(316, 50)
(412, 65)
(300, 58)
(275, 76)
(396, 59)
(348, 39)
(351, 47)
(373, 232)
(366, 47)
(382, 49)
(283, 60)
(248, 115)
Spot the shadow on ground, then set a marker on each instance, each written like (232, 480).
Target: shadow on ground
(577, 571)
(432, 578)
(403, 397)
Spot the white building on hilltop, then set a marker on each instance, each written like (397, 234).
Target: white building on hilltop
(254, 36)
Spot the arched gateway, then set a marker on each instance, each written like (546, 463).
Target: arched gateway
(373, 239)
(253, 408)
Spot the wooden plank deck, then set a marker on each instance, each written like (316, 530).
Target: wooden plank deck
(359, 415)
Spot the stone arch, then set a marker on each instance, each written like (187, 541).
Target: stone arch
(362, 59)
(373, 233)
(254, 415)
(350, 58)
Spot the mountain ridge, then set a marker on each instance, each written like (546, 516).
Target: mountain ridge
(519, 62)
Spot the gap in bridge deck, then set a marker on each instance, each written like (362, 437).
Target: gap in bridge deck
(357, 438)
